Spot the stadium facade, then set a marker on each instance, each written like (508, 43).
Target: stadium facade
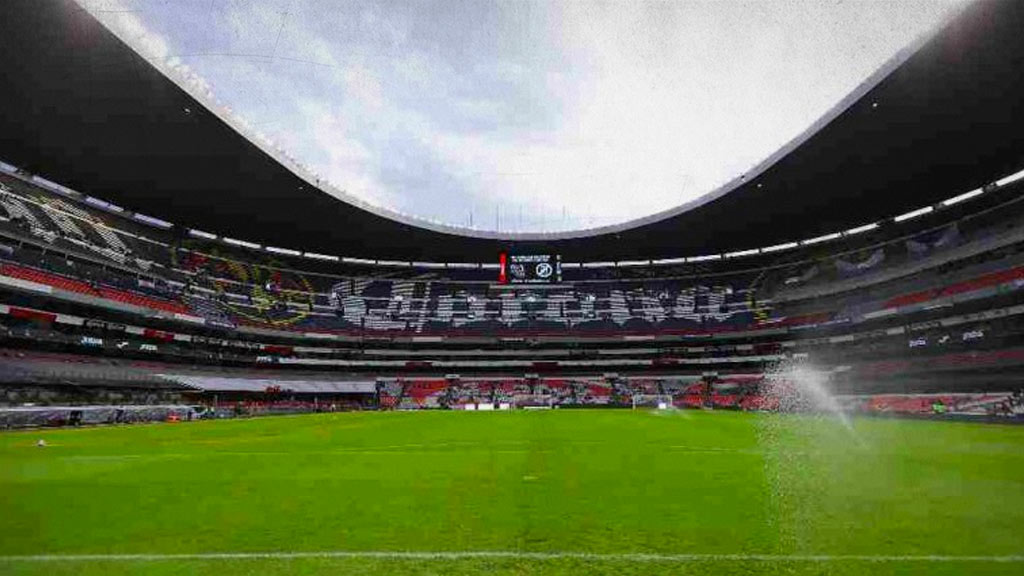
(149, 261)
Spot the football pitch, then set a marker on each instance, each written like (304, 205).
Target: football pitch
(555, 492)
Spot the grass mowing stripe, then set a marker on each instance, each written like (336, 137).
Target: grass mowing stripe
(498, 554)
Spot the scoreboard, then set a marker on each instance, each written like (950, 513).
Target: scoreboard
(529, 268)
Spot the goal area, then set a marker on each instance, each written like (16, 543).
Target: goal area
(652, 401)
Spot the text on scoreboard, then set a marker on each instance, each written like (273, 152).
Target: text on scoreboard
(529, 268)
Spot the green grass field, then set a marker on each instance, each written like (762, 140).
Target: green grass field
(559, 492)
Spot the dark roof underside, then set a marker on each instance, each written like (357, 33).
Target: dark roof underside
(82, 109)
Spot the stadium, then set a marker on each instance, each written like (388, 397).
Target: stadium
(214, 360)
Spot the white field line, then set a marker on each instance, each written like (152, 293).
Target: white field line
(507, 447)
(513, 555)
(217, 454)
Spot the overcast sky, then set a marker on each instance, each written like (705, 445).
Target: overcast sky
(521, 115)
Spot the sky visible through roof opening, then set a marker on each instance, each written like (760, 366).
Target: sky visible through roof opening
(522, 116)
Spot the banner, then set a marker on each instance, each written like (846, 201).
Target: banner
(926, 243)
(853, 268)
(807, 275)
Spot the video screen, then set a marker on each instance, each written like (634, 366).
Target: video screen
(529, 268)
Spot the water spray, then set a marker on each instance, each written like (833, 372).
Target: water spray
(794, 384)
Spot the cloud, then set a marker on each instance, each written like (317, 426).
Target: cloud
(541, 115)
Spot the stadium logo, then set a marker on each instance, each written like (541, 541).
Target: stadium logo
(544, 270)
(271, 294)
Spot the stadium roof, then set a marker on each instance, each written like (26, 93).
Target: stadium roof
(83, 109)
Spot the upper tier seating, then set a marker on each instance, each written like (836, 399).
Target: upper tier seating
(228, 292)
